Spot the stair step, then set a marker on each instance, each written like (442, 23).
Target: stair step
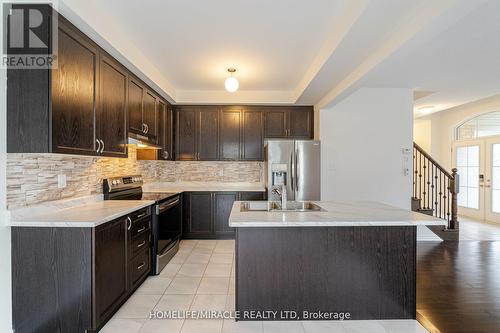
(426, 211)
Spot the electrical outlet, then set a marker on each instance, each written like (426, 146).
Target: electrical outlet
(61, 181)
(221, 173)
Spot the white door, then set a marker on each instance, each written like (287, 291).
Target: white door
(469, 157)
(478, 164)
(491, 184)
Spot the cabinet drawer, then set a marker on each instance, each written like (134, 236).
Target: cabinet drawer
(140, 214)
(140, 242)
(139, 267)
(139, 227)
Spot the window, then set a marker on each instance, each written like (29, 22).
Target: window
(487, 124)
(468, 169)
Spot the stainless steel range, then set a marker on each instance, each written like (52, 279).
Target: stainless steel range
(167, 217)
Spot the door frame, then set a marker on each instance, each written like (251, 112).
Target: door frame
(488, 190)
(484, 212)
(478, 213)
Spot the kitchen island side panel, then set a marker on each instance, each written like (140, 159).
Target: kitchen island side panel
(368, 272)
(51, 279)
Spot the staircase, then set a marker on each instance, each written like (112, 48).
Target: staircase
(435, 190)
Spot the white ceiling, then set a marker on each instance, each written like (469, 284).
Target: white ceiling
(304, 52)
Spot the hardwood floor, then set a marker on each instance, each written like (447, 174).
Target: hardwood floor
(458, 283)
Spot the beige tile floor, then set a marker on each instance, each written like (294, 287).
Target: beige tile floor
(201, 277)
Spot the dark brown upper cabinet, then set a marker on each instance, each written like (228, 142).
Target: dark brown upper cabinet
(275, 123)
(230, 133)
(197, 131)
(74, 95)
(300, 123)
(112, 110)
(208, 135)
(135, 100)
(149, 114)
(165, 139)
(142, 111)
(252, 147)
(186, 135)
(289, 122)
(75, 108)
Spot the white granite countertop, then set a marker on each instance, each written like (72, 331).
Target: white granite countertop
(178, 187)
(86, 214)
(337, 214)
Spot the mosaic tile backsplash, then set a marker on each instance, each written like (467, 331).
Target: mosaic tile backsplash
(32, 178)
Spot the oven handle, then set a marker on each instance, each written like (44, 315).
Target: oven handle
(168, 205)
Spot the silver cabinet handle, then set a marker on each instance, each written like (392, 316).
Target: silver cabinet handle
(98, 145)
(141, 230)
(102, 149)
(142, 215)
(143, 128)
(141, 266)
(165, 154)
(141, 244)
(129, 220)
(147, 128)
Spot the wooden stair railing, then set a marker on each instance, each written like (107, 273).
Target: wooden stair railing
(435, 190)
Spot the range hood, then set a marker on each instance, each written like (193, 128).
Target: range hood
(141, 142)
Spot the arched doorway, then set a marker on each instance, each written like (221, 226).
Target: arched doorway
(476, 155)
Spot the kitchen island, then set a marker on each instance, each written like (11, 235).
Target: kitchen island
(346, 261)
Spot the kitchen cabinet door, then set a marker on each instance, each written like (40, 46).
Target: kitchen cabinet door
(230, 134)
(208, 135)
(275, 123)
(112, 111)
(135, 95)
(223, 203)
(198, 215)
(186, 135)
(300, 123)
(110, 267)
(74, 94)
(165, 131)
(252, 136)
(149, 115)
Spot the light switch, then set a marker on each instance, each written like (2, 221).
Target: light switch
(61, 181)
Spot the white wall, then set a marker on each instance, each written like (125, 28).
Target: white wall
(362, 138)
(443, 126)
(5, 267)
(422, 133)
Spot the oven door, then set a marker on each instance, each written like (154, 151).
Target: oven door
(167, 231)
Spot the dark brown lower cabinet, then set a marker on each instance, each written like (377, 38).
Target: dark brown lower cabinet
(206, 214)
(110, 265)
(67, 279)
(197, 215)
(223, 203)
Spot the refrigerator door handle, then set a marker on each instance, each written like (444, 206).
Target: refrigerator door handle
(296, 171)
(292, 176)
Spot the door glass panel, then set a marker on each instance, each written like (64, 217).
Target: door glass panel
(468, 168)
(495, 178)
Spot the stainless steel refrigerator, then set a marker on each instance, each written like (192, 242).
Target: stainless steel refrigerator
(296, 165)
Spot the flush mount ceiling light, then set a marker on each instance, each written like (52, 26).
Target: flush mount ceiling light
(426, 109)
(231, 82)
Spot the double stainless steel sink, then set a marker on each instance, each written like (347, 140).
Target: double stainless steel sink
(274, 206)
